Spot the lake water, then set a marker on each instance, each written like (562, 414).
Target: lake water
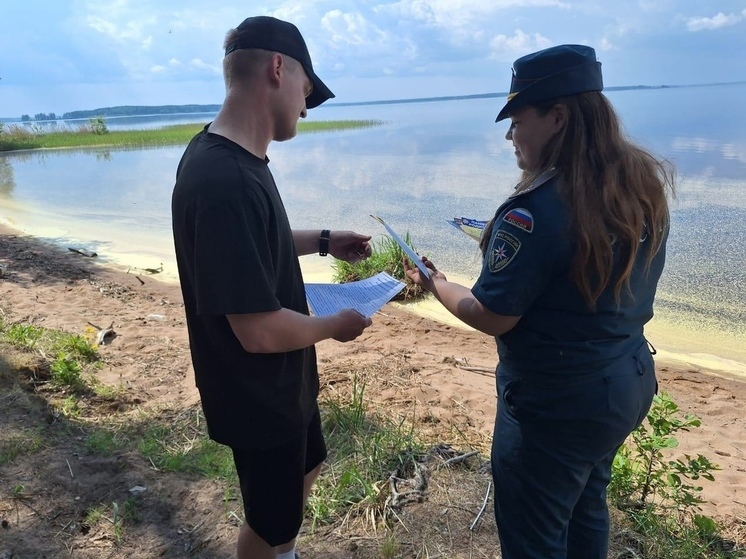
(427, 163)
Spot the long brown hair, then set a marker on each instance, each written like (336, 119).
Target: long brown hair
(615, 191)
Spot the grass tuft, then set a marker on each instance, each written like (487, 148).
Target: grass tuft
(365, 450)
(182, 445)
(387, 256)
(19, 443)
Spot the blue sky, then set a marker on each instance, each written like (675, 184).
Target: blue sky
(60, 55)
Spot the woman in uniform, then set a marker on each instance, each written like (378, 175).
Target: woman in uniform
(571, 263)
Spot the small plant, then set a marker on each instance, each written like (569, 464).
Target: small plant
(79, 346)
(97, 125)
(19, 444)
(70, 407)
(125, 514)
(641, 470)
(387, 256)
(24, 335)
(65, 371)
(103, 443)
(389, 547)
(659, 493)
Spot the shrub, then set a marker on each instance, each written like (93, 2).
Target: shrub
(97, 125)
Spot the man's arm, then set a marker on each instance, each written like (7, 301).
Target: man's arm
(343, 245)
(306, 241)
(286, 330)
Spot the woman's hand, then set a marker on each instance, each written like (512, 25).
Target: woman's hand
(418, 278)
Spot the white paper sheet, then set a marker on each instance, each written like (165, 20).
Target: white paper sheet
(411, 254)
(365, 296)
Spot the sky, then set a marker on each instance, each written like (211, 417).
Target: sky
(65, 55)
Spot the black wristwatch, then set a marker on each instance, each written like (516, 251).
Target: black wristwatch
(324, 242)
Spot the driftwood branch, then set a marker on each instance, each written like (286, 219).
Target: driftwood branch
(83, 252)
(105, 335)
(461, 458)
(484, 505)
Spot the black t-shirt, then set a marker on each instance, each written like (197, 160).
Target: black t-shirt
(235, 254)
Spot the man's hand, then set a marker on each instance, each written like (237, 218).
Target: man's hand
(350, 324)
(349, 246)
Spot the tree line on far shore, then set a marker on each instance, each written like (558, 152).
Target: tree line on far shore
(127, 110)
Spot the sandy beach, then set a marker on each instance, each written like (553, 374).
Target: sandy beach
(444, 383)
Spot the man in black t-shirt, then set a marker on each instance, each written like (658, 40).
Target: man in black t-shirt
(250, 333)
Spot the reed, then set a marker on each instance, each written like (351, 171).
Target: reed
(95, 134)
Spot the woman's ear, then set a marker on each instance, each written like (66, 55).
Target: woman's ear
(559, 117)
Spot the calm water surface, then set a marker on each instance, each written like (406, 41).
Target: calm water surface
(429, 162)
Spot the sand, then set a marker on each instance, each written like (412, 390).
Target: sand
(449, 383)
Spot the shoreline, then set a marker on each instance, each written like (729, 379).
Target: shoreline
(676, 345)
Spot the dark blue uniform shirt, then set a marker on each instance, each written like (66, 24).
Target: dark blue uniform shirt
(527, 272)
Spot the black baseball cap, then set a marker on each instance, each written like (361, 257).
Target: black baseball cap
(269, 33)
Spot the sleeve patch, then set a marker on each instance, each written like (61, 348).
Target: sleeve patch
(520, 218)
(503, 249)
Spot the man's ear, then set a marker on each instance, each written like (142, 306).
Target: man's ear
(275, 67)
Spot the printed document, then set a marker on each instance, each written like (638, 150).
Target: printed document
(365, 296)
(472, 227)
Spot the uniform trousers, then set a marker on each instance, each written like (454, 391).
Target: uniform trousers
(554, 443)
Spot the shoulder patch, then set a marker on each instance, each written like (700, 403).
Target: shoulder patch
(503, 249)
(520, 218)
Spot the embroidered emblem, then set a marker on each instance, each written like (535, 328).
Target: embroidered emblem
(503, 249)
(520, 218)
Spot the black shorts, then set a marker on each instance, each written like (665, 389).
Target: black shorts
(272, 483)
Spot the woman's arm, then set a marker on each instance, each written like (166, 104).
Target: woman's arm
(460, 301)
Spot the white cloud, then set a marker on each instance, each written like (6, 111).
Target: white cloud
(351, 29)
(606, 44)
(200, 64)
(716, 22)
(503, 47)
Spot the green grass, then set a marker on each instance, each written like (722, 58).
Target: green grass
(105, 441)
(182, 445)
(666, 536)
(17, 137)
(17, 444)
(119, 516)
(386, 256)
(364, 449)
(68, 355)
